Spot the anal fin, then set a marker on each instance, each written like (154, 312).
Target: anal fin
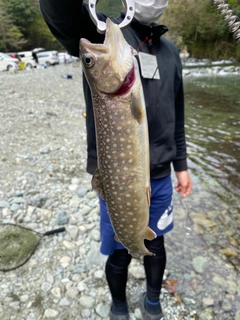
(97, 184)
(116, 238)
(150, 234)
(148, 193)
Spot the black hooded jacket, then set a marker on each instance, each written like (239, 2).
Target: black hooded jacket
(69, 21)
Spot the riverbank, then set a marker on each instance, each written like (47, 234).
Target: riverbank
(43, 186)
(205, 67)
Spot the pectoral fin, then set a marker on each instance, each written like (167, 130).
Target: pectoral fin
(136, 108)
(150, 234)
(148, 193)
(116, 238)
(97, 184)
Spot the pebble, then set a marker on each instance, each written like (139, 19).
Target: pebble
(49, 188)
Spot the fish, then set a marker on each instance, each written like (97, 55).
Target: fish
(122, 177)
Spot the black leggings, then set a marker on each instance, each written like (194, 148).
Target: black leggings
(117, 271)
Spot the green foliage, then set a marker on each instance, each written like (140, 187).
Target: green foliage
(197, 25)
(10, 36)
(21, 12)
(192, 23)
(23, 28)
(111, 8)
(40, 35)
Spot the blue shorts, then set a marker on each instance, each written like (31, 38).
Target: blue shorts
(161, 216)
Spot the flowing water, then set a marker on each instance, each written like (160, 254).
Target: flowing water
(204, 247)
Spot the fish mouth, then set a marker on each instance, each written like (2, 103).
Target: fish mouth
(86, 45)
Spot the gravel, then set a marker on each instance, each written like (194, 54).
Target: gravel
(43, 186)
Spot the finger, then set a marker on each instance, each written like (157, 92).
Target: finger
(178, 188)
(187, 190)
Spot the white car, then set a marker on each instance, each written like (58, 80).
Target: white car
(7, 63)
(50, 58)
(28, 59)
(64, 57)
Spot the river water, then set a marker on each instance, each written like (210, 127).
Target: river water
(204, 247)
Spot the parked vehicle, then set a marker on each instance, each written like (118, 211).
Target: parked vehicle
(64, 57)
(50, 58)
(28, 58)
(7, 62)
(14, 55)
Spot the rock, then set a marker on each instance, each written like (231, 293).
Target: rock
(65, 302)
(137, 272)
(207, 314)
(102, 310)
(43, 173)
(56, 292)
(87, 301)
(72, 292)
(200, 264)
(44, 150)
(208, 301)
(62, 218)
(81, 191)
(46, 286)
(237, 316)
(50, 313)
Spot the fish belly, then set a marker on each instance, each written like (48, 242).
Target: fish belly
(123, 167)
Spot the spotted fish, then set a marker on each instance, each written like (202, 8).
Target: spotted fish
(122, 178)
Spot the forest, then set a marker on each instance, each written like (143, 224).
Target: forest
(193, 24)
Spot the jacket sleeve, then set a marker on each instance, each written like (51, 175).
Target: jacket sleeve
(69, 20)
(180, 161)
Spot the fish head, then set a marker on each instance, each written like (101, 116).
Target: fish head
(108, 65)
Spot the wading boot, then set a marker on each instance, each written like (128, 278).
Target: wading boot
(116, 316)
(145, 314)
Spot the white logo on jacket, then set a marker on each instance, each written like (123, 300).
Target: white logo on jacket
(167, 218)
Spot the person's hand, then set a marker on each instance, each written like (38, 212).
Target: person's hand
(184, 183)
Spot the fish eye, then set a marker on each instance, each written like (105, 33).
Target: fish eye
(88, 60)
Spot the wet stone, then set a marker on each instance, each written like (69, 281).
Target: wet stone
(200, 263)
(81, 192)
(44, 173)
(62, 218)
(102, 310)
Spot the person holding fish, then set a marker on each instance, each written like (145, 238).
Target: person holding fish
(133, 90)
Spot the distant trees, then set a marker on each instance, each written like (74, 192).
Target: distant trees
(10, 36)
(22, 27)
(192, 23)
(197, 25)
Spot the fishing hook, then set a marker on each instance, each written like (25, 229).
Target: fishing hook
(101, 25)
(230, 17)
